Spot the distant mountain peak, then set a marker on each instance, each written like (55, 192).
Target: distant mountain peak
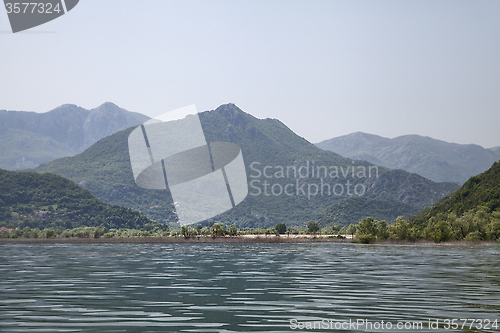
(107, 106)
(66, 106)
(28, 139)
(229, 108)
(109, 103)
(434, 159)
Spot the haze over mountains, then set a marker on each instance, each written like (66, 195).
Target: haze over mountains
(104, 169)
(436, 160)
(28, 139)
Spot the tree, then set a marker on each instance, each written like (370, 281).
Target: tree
(438, 231)
(382, 231)
(205, 231)
(351, 230)
(185, 231)
(366, 230)
(218, 230)
(312, 227)
(98, 232)
(26, 232)
(400, 229)
(50, 233)
(280, 228)
(232, 231)
(494, 229)
(367, 226)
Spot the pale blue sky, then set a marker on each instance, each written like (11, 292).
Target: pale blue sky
(324, 68)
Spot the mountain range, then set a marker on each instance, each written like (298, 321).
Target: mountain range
(436, 160)
(104, 169)
(28, 139)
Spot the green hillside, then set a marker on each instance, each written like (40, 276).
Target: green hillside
(353, 210)
(472, 212)
(30, 199)
(104, 169)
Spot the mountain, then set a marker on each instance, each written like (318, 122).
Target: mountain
(496, 150)
(436, 160)
(28, 139)
(30, 199)
(271, 153)
(471, 213)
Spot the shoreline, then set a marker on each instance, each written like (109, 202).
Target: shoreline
(248, 239)
(174, 240)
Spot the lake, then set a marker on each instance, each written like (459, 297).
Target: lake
(322, 287)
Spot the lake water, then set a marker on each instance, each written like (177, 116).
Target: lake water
(246, 287)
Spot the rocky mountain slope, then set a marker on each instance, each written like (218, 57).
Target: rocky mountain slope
(28, 139)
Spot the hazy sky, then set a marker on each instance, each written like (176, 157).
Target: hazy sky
(324, 68)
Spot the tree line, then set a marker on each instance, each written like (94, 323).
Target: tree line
(472, 226)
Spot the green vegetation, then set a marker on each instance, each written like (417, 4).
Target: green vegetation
(482, 190)
(157, 230)
(218, 230)
(46, 201)
(353, 210)
(479, 226)
(471, 213)
(370, 230)
(313, 227)
(85, 232)
(280, 228)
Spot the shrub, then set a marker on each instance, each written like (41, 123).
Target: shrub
(365, 238)
(280, 228)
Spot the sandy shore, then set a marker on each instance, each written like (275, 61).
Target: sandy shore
(228, 239)
(179, 239)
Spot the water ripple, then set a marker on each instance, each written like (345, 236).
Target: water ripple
(240, 287)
